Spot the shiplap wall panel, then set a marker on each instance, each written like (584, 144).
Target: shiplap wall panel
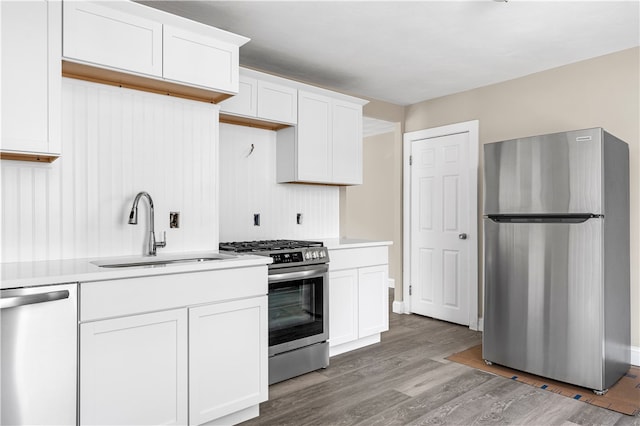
(248, 185)
(116, 142)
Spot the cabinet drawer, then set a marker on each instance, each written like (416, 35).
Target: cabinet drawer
(105, 36)
(113, 298)
(358, 257)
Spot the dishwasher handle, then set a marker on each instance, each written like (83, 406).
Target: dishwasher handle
(30, 299)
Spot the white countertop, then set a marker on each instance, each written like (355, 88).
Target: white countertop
(29, 274)
(46, 272)
(345, 243)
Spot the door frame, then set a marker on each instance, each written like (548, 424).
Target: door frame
(470, 127)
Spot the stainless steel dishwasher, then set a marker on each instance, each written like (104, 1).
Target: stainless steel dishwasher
(39, 355)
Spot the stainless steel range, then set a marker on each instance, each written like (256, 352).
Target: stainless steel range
(298, 304)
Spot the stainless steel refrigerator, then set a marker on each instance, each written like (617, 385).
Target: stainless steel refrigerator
(556, 247)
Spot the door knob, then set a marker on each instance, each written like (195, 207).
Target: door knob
(462, 236)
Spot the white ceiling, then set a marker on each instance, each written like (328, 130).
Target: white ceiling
(407, 52)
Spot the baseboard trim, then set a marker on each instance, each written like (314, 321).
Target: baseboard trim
(635, 356)
(398, 307)
(354, 344)
(237, 417)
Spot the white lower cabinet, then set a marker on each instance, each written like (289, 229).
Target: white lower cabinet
(133, 370)
(228, 350)
(373, 300)
(343, 306)
(358, 298)
(174, 349)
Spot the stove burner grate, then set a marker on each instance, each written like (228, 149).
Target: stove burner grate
(267, 245)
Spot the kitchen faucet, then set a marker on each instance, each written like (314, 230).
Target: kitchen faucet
(133, 220)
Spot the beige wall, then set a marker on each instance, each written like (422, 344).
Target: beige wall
(600, 92)
(373, 210)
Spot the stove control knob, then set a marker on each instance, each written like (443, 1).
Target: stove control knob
(307, 255)
(314, 254)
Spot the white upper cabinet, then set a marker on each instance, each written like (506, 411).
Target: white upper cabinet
(106, 36)
(266, 98)
(326, 145)
(347, 143)
(122, 39)
(245, 102)
(314, 148)
(277, 102)
(31, 81)
(196, 59)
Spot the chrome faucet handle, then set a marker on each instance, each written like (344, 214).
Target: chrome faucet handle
(163, 242)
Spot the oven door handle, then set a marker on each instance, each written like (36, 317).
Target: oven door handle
(297, 275)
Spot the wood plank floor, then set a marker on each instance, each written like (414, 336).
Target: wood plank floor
(405, 380)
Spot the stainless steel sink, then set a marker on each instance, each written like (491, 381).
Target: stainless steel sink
(137, 261)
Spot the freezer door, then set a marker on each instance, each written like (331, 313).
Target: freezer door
(543, 310)
(557, 173)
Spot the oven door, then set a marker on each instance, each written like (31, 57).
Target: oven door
(298, 307)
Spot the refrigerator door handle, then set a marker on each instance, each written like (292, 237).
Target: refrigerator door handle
(523, 218)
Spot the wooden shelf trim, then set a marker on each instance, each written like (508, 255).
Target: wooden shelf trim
(28, 156)
(251, 122)
(138, 82)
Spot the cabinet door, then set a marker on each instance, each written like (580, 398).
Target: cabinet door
(277, 102)
(373, 300)
(314, 138)
(228, 356)
(347, 143)
(343, 306)
(105, 36)
(133, 370)
(245, 102)
(199, 60)
(31, 81)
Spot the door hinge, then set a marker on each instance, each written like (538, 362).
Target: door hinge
(410, 290)
(411, 160)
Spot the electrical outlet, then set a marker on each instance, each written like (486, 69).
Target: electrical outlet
(256, 219)
(174, 219)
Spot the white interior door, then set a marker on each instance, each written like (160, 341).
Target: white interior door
(443, 225)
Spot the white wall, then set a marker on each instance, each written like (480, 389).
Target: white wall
(248, 185)
(116, 142)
